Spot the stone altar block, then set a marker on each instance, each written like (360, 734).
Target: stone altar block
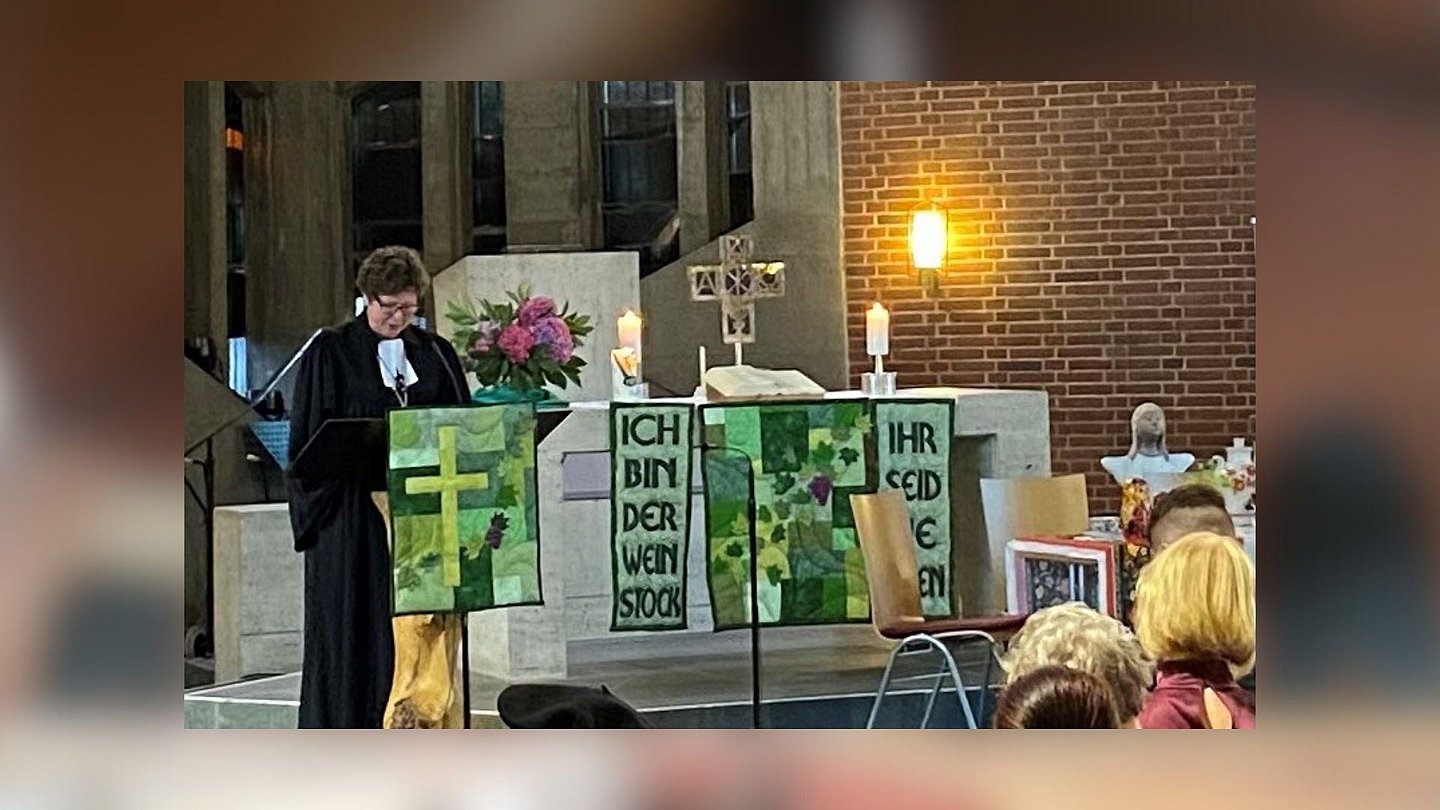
(259, 592)
(600, 285)
(999, 434)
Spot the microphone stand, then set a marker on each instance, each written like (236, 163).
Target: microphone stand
(274, 381)
(750, 511)
(207, 472)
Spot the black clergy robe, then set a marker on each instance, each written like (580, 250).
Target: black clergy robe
(349, 654)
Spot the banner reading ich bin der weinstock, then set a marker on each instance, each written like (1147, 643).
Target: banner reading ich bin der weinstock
(650, 472)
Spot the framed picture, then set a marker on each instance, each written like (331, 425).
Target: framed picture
(1042, 572)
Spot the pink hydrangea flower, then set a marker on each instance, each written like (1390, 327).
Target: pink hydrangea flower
(554, 335)
(485, 336)
(516, 342)
(534, 310)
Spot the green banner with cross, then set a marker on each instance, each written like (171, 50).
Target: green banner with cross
(650, 451)
(464, 508)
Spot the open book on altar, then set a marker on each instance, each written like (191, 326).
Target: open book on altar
(727, 383)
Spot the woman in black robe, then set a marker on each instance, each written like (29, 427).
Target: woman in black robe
(349, 654)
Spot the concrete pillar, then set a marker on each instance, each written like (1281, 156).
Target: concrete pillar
(445, 157)
(296, 162)
(205, 292)
(795, 146)
(704, 192)
(551, 179)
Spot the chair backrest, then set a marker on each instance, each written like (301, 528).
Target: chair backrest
(882, 525)
(1027, 507)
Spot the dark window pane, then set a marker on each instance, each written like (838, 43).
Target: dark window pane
(386, 190)
(235, 302)
(487, 169)
(737, 152)
(638, 170)
(234, 213)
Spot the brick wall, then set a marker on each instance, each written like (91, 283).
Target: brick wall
(1099, 248)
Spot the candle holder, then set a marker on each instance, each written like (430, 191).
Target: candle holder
(878, 383)
(625, 366)
(625, 383)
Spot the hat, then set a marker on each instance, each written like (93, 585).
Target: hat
(545, 705)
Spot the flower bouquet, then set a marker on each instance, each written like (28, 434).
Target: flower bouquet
(522, 344)
(1235, 481)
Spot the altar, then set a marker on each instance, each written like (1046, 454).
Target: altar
(999, 433)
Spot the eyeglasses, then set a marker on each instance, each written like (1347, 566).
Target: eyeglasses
(408, 310)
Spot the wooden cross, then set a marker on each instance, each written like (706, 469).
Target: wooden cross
(449, 483)
(736, 282)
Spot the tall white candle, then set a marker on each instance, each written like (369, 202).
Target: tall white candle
(877, 331)
(629, 327)
(702, 365)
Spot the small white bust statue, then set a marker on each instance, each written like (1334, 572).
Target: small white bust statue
(1148, 454)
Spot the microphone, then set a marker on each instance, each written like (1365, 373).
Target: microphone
(449, 372)
(413, 335)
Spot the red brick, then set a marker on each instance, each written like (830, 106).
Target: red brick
(1102, 172)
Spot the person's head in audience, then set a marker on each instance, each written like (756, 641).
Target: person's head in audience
(1196, 602)
(1077, 636)
(1186, 509)
(1056, 697)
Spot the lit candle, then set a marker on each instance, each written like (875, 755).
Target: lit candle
(629, 329)
(877, 331)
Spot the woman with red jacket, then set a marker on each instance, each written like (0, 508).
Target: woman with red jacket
(1195, 616)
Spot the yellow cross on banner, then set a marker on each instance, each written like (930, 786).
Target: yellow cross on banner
(449, 484)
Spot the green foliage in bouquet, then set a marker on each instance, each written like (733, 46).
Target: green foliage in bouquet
(523, 343)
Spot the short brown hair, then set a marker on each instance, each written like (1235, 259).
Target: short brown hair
(391, 271)
(1056, 697)
(1211, 514)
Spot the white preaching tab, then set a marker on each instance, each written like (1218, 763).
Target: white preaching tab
(394, 364)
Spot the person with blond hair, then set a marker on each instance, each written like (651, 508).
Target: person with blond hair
(1077, 636)
(1195, 615)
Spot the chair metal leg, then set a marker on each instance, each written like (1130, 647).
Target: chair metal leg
(884, 684)
(934, 693)
(985, 686)
(932, 644)
(959, 686)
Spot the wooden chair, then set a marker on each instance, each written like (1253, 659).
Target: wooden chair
(1026, 507)
(882, 524)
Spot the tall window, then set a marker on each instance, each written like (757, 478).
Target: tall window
(638, 170)
(488, 168)
(386, 181)
(737, 152)
(235, 239)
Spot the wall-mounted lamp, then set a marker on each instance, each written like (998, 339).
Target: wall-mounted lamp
(929, 237)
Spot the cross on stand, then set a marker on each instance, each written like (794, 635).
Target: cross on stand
(449, 484)
(736, 282)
